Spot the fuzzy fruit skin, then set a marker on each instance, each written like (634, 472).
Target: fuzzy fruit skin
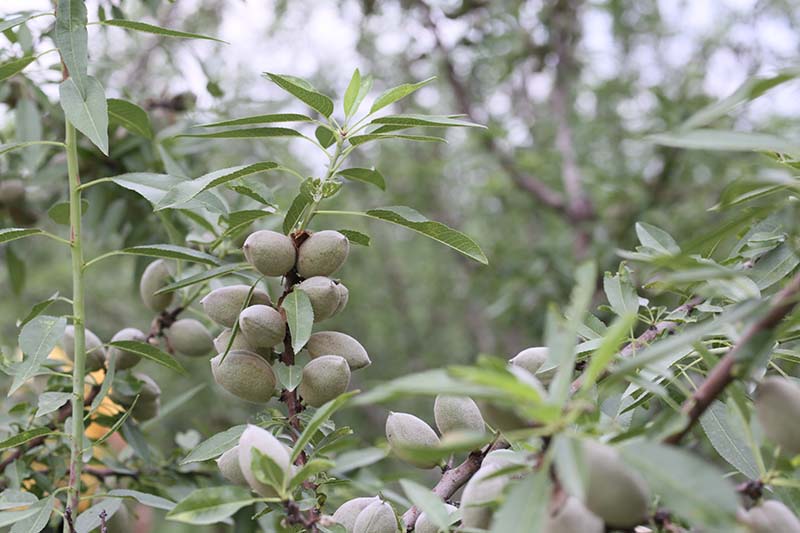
(573, 517)
(156, 276)
(532, 359)
(777, 403)
(262, 326)
(344, 297)
(627, 505)
(322, 254)
(348, 512)
(245, 375)
(377, 517)
(424, 525)
(457, 413)
(228, 464)
(146, 409)
(190, 337)
(407, 431)
(502, 458)
(341, 344)
(148, 392)
(95, 353)
(223, 305)
(324, 378)
(479, 491)
(266, 443)
(323, 294)
(123, 358)
(770, 517)
(270, 252)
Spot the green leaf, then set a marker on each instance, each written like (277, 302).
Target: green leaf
(351, 93)
(308, 470)
(320, 417)
(259, 119)
(365, 86)
(397, 93)
(289, 376)
(774, 266)
(735, 141)
(150, 500)
(38, 309)
(11, 499)
(211, 505)
(59, 213)
(570, 465)
(299, 204)
(15, 66)
(657, 239)
(367, 175)
(149, 28)
(51, 401)
(25, 436)
(214, 446)
(72, 39)
(87, 110)
(116, 425)
(153, 187)
(725, 433)
(130, 116)
(609, 347)
(20, 18)
(202, 277)
(428, 502)
(16, 270)
(245, 133)
(525, 509)
(36, 340)
(170, 251)
(621, 293)
(325, 136)
(299, 317)
(267, 471)
(303, 91)
(355, 237)
(39, 520)
(356, 459)
(5, 148)
(412, 121)
(355, 140)
(89, 520)
(148, 351)
(12, 234)
(9, 517)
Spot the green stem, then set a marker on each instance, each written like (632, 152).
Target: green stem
(79, 368)
(336, 160)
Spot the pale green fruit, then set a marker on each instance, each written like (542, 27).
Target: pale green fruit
(424, 524)
(479, 492)
(245, 375)
(405, 431)
(323, 294)
(156, 276)
(532, 359)
(377, 517)
(148, 391)
(324, 378)
(239, 342)
(505, 418)
(777, 403)
(457, 413)
(228, 464)
(95, 352)
(262, 326)
(573, 517)
(12, 191)
(266, 443)
(341, 344)
(503, 458)
(771, 517)
(627, 505)
(190, 337)
(223, 305)
(120, 521)
(123, 358)
(322, 254)
(146, 409)
(344, 297)
(348, 512)
(271, 253)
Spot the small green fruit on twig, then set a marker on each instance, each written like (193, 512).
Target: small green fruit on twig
(222, 305)
(228, 464)
(341, 344)
(266, 443)
(404, 431)
(322, 254)
(125, 359)
(324, 378)
(532, 360)
(424, 524)
(777, 403)
(480, 492)
(771, 516)
(245, 375)
(190, 337)
(324, 296)
(348, 512)
(574, 517)
(95, 353)
(156, 276)
(614, 492)
(271, 253)
(262, 326)
(457, 413)
(377, 517)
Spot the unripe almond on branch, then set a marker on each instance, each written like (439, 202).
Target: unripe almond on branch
(377, 517)
(573, 517)
(324, 378)
(228, 464)
(322, 254)
(156, 276)
(239, 342)
(262, 326)
(404, 432)
(344, 297)
(223, 305)
(502, 458)
(245, 375)
(190, 337)
(627, 504)
(457, 413)
(270, 252)
(777, 403)
(95, 352)
(266, 443)
(770, 517)
(532, 359)
(146, 409)
(323, 294)
(123, 359)
(424, 524)
(479, 493)
(341, 344)
(348, 512)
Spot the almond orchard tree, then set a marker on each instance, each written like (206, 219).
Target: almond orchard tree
(675, 414)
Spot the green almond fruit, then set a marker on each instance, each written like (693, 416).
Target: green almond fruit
(95, 352)
(777, 404)
(12, 191)
(239, 342)
(344, 297)
(348, 512)
(424, 524)
(771, 516)
(228, 464)
(404, 432)
(245, 375)
(377, 517)
(503, 458)
(262, 326)
(146, 409)
(627, 505)
(341, 344)
(323, 294)
(124, 359)
(190, 337)
(483, 489)
(265, 442)
(146, 388)
(532, 359)
(270, 252)
(223, 305)
(573, 517)
(156, 276)
(322, 254)
(324, 378)
(457, 413)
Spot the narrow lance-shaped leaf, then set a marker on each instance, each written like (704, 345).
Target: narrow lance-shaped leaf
(735, 141)
(150, 500)
(15, 66)
(12, 234)
(258, 119)
(170, 251)
(215, 446)
(72, 40)
(320, 417)
(130, 116)
(728, 438)
(39, 520)
(149, 28)
(20, 18)
(148, 351)
(303, 91)
(361, 139)
(202, 277)
(210, 505)
(299, 317)
(428, 502)
(246, 133)
(397, 93)
(412, 121)
(351, 92)
(25, 436)
(367, 175)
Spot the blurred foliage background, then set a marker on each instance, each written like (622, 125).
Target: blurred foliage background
(567, 88)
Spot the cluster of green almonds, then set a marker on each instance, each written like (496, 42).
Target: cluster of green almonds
(246, 371)
(365, 515)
